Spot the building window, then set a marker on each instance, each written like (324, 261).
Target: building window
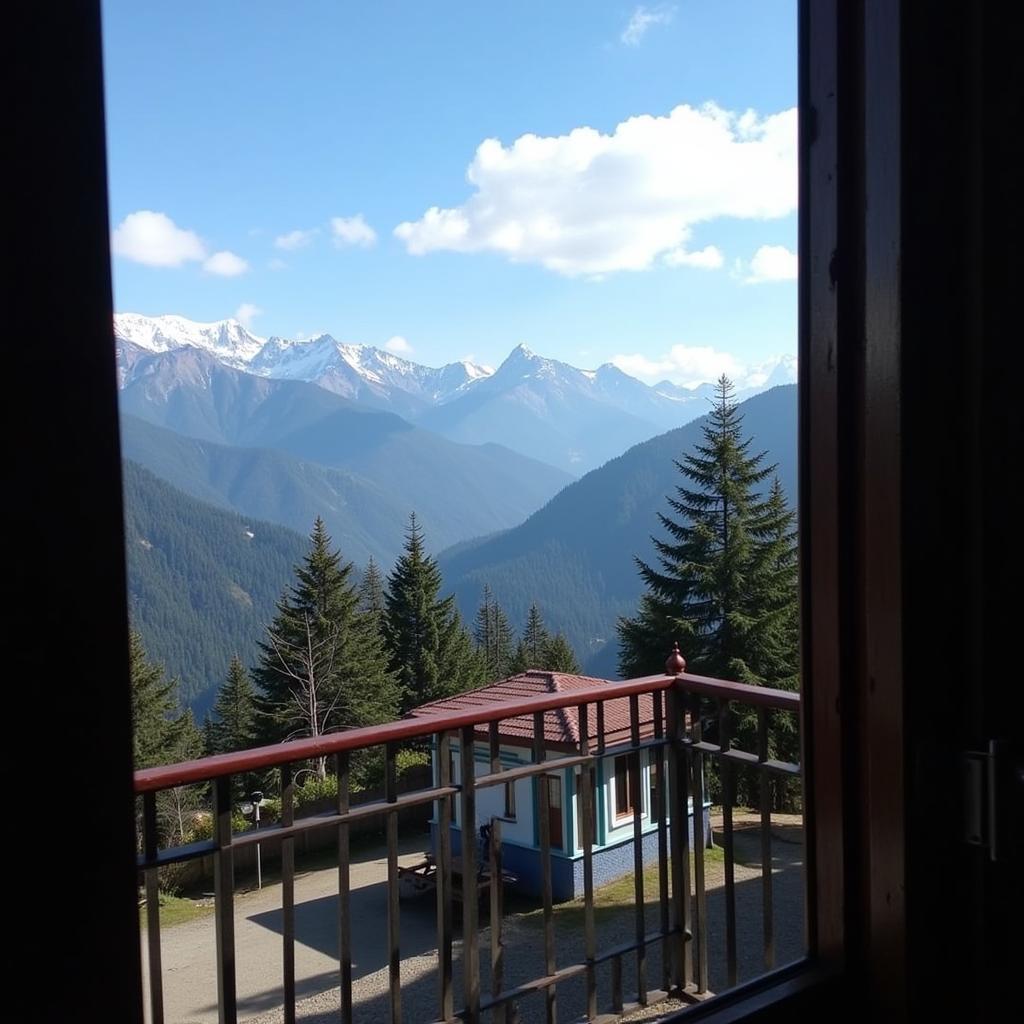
(655, 780)
(626, 768)
(510, 801)
(578, 776)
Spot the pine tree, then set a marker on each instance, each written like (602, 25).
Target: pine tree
(153, 704)
(160, 737)
(494, 638)
(532, 649)
(725, 583)
(209, 735)
(234, 725)
(371, 591)
(701, 595)
(432, 653)
(560, 657)
(323, 665)
(539, 650)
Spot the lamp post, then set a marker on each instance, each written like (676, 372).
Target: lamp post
(252, 806)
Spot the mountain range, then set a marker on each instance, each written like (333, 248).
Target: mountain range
(538, 478)
(288, 451)
(571, 418)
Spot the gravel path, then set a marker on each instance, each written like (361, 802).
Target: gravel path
(190, 981)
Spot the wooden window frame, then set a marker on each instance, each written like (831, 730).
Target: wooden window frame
(869, 71)
(624, 815)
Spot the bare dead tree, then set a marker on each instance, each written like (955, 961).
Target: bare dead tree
(309, 663)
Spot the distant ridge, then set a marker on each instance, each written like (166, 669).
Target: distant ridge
(575, 556)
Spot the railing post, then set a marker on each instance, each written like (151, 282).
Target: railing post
(470, 905)
(680, 839)
(443, 876)
(700, 893)
(544, 834)
(636, 798)
(224, 895)
(727, 775)
(149, 841)
(766, 841)
(586, 805)
(394, 925)
(288, 892)
(496, 890)
(658, 812)
(344, 893)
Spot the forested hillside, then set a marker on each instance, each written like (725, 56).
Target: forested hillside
(202, 581)
(575, 557)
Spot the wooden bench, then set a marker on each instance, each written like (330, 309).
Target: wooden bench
(421, 877)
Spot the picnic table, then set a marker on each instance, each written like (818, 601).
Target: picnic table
(421, 877)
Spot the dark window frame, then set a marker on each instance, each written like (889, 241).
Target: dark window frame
(623, 768)
(868, 72)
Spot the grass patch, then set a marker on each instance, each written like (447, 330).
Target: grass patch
(177, 910)
(613, 899)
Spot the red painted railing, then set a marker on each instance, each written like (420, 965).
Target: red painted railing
(206, 768)
(680, 710)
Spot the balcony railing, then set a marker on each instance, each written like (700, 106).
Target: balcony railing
(682, 707)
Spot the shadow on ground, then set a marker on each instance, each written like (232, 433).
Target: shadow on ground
(316, 926)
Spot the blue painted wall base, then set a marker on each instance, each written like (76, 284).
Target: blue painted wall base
(610, 862)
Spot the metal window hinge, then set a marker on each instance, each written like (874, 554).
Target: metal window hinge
(992, 783)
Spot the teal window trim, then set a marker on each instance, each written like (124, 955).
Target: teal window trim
(569, 788)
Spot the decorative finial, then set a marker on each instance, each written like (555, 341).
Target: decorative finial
(676, 663)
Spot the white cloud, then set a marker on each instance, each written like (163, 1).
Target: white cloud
(690, 365)
(642, 19)
(277, 264)
(352, 231)
(684, 364)
(155, 240)
(772, 263)
(708, 258)
(296, 239)
(589, 203)
(398, 345)
(225, 264)
(246, 313)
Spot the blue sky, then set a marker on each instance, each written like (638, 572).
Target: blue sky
(262, 156)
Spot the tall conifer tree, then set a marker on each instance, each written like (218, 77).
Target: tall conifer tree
(323, 665)
(153, 705)
(234, 724)
(494, 637)
(560, 657)
(531, 652)
(538, 649)
(371, 591)
(432, 653)
(725, 582)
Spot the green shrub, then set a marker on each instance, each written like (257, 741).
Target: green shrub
(407, 759)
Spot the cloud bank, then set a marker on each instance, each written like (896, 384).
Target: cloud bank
(153, 239)
(589, 203)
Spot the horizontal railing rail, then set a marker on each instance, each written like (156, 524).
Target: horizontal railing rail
(672, 739)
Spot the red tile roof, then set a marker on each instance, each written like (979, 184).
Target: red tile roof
(561, 726)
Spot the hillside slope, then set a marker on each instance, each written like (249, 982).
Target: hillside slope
(575, 556)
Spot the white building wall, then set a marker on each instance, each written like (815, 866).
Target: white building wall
(490, 802)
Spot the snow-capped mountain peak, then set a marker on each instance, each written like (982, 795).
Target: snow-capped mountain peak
(228, 340)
